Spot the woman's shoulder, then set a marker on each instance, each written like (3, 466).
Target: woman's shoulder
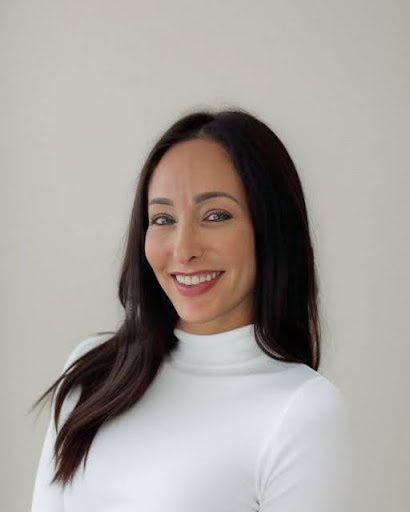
(316, 402)
(85, 345)
(310, 444)
(305, 394)
(311, 388)
(298, 380)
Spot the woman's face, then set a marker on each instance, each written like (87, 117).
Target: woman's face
(206, 235)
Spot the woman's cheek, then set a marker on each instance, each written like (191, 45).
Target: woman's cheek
(150, 251)
(155, 244)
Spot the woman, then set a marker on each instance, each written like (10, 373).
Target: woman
(208, 397)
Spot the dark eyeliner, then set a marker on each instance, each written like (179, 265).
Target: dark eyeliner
(223, 213)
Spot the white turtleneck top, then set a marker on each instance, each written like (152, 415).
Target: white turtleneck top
(222, 428)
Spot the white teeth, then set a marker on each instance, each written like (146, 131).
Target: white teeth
(199, 278)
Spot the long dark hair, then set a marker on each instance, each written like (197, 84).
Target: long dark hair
(114, 375)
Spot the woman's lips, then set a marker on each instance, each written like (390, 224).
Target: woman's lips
(196, 289)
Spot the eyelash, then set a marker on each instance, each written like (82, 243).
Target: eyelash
(153, 223)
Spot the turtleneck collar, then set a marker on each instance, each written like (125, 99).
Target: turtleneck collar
(221, 351)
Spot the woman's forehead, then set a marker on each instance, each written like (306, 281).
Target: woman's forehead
(194, 167)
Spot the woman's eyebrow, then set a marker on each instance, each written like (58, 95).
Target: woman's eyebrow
(197, 199)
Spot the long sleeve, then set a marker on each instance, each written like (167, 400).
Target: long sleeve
(49, 497)
(306, 462)
(46, 497)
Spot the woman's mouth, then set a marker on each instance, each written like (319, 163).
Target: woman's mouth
(191, 290)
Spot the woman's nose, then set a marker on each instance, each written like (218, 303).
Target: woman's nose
(187, 242)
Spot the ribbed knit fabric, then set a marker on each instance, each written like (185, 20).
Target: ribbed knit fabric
(223, 428)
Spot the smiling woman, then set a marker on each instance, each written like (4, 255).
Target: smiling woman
(204, 186)
(208, 396)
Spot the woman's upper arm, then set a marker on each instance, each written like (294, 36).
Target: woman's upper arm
(48, 497)
(306, 464)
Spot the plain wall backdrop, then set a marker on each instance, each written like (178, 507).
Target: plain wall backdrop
(87, 88)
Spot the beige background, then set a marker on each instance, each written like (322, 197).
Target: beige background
(86, 89)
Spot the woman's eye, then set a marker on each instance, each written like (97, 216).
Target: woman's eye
(219, 214)
(154, 220)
